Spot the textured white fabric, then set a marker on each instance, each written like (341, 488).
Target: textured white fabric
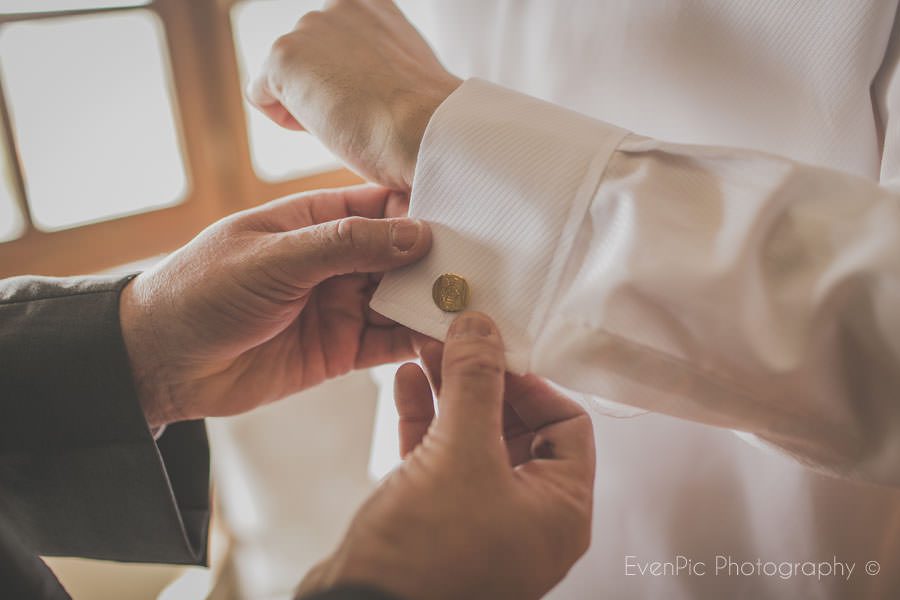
(512, 253)
(724, 286)
(743, 273)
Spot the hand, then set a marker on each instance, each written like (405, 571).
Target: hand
(359, 77)
(473, 512)
(268, 302)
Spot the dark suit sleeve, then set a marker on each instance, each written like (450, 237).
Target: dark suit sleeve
(80, 473)
(351, 593)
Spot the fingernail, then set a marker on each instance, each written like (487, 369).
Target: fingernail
(471, 324)
(405, 233)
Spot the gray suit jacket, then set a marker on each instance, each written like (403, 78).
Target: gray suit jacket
(80, 473)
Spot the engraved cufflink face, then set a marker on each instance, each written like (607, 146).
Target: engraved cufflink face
(450, 292)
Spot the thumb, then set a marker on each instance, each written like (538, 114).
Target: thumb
(354, 245)
(472, 380)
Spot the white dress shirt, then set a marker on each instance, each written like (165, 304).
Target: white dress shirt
(698, 222)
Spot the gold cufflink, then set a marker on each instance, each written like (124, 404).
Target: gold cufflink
(450, 293)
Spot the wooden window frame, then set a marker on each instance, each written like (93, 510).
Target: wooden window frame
(210, 117)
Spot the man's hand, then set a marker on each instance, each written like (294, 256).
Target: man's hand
(268, 302)
(489, 503)
(358, 76)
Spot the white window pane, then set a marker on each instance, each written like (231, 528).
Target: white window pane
(93, 118)
(33, 6)
(277, 153)
(12, 225)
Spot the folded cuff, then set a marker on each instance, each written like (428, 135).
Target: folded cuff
(505, 181)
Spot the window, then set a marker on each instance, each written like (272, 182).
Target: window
(11, 222)
(277, 153)
(125, 131)
(89, 124)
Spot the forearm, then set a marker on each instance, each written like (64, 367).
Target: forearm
(729, 287)
(745, 291)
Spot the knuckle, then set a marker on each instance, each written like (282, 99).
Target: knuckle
(477, 360)
(283, 53)
(282, 47)
(311, 20)
(353, 233)
(233, 223)
(336, 5)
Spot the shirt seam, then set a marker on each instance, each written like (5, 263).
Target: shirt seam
(581, 203)
(714, 377)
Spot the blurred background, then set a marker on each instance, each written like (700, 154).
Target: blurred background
(124, 132)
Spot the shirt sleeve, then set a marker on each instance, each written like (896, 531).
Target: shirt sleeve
(80, 472)
(725, 286)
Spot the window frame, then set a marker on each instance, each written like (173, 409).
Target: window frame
(209, 114)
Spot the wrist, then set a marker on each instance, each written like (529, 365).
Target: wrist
(360, 564)
(414, 113)
(141, 343)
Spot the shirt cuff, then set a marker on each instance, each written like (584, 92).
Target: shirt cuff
(505, 181)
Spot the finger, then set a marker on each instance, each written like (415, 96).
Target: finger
(419, 340)
(260, 96)
(471, 400)
(562, 428)
(397, 204)
(518, 448)
(431, 355)
(351, 245)
(415, 406)
(537, 403)
(376, 319)
(513, 424)
(382, 345)
(517, 436)
(320, 206)
(365, 200)
(567, 448)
